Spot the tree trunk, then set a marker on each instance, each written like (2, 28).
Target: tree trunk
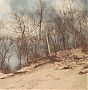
(48, 45)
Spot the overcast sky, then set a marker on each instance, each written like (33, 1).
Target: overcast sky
(7, 5)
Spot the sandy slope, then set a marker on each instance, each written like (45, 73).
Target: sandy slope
(50, 76)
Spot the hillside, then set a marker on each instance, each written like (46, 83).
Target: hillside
(52, 75)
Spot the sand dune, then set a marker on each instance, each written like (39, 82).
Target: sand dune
(50, 76)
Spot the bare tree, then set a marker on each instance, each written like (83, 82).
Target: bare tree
(6, 45)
